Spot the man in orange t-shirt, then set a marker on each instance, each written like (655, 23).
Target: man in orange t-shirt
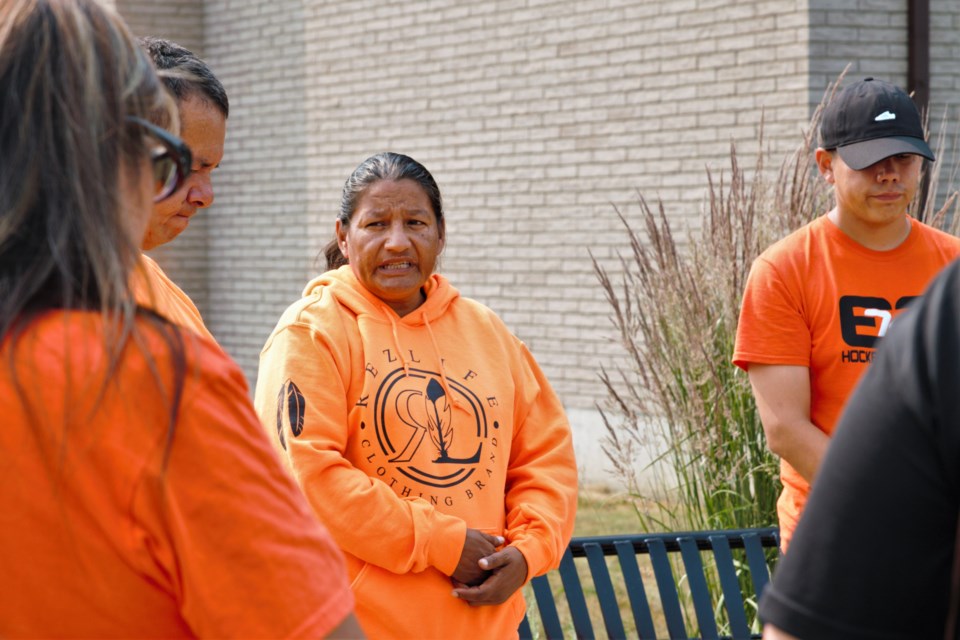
(203, 107)
(817, 301)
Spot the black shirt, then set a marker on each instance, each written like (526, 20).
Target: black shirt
(873, 552)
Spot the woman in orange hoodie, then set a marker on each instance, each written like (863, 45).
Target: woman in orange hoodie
(141, 498)
(421, 430)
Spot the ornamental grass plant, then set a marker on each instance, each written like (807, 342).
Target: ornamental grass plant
(674, 307)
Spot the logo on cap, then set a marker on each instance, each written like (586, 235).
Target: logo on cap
(886, 115)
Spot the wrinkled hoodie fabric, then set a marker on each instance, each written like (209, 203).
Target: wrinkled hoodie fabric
(404, 432)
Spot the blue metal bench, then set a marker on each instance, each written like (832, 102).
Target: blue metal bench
(690, 545)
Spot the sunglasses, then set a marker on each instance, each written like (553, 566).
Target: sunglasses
(171, 160)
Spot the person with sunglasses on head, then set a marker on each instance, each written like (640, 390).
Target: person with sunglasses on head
(140, 495)
(203, 108)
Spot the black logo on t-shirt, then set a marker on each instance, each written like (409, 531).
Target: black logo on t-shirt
(863, 321)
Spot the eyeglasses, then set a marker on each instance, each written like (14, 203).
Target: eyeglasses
(172, 160)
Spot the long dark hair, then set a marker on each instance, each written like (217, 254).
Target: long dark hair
(71, 76)
(383, 166)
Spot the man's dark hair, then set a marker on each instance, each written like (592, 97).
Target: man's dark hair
(167, 55)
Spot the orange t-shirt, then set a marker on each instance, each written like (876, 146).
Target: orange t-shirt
(98, 539)
(155, 290)
(818, 299)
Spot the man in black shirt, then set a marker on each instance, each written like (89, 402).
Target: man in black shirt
(874, 552)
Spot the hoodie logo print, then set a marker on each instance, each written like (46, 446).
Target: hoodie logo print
(427, 436)
(439, 419)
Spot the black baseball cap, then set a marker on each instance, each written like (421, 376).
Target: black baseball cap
(870, 120)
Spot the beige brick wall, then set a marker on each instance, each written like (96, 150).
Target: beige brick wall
(536, 118)
(945, 87)
(871, 37)
(178, 20)
(260, 244)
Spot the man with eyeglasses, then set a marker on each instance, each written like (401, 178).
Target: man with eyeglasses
(203, 107)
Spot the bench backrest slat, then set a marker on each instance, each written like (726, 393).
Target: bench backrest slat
(697, 582)
(608, 598)
(667, 586)
(577, 603)
(730, 586)
(757, 562)
(549, 617)
(635, 590)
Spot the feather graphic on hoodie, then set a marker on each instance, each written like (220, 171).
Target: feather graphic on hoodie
(439, 420)
(290, 405)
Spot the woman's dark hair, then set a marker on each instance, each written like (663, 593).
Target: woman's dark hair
(383, 166)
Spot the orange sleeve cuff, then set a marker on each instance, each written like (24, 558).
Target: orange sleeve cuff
(446, 544)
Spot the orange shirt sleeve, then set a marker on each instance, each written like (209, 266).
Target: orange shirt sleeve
(772, 328)
(541, 495)
(228, 529)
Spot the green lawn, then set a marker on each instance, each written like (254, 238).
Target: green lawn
(600, 513)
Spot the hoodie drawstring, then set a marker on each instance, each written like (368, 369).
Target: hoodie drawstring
(436, 350)
(443, 368)
(396, 343)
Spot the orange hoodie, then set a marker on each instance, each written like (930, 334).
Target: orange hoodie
(404, 432)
